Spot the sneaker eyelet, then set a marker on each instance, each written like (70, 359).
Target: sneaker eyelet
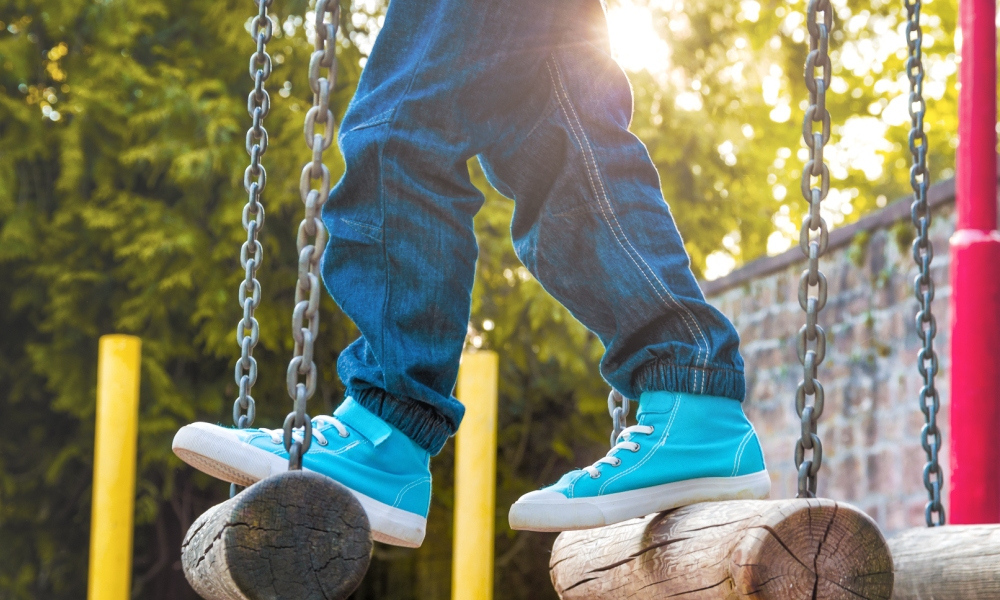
(346, 435)
(652, 428)
(617, 464)
(636, 449)
(326, 443)
(598, 476)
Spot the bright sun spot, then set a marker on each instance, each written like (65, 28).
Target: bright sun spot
(634, 41)
(719, 264)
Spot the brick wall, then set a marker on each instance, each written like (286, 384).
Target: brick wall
(871, 422)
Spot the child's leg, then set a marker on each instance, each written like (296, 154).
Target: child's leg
(402, 251)
(591, 224)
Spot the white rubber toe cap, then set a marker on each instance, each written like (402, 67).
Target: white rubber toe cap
(543, 510)
(219, 452)
(188, 431)
(542, 497)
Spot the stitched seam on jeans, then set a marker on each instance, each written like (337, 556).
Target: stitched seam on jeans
(595, 180)
(645, 459)
(587, 147)
(739, 452)
(406, 488)
(596, 176)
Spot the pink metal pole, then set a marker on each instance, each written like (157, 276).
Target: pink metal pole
(975, 280)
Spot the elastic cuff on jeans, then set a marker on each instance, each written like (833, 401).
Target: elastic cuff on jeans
(418, 421)
(710, 381)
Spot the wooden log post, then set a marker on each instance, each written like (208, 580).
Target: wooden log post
(957, 562)
(760, 549)
(297, 535)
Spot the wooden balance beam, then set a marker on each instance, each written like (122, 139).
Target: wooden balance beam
(760, 549)
(293, 536)
(957, 562)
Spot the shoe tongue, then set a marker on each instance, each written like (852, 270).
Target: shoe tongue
(655, 403)
(358, 418)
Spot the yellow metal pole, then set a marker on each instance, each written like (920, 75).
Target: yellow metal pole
(114, 468)
(475, 478)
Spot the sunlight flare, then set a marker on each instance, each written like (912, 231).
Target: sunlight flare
(635, 44)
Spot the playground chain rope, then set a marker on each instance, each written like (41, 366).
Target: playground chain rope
(311, 239)
(252, 253)
(923, 253)
(618, 407)
(814, 237)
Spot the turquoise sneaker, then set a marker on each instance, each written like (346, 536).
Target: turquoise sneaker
(684, 449)
(388, 473)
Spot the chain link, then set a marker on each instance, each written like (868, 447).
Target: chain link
(923, 253)
(814, 238)
(312, 235)
(618, 407)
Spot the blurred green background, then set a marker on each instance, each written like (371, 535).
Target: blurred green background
(122, 128)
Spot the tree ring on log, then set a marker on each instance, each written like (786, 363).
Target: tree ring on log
(297, 535)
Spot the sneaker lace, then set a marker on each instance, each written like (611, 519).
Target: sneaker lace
(277, 435)
(624, 443)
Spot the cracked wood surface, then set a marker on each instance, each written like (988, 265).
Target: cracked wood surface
(297, 535)
(743, 549)
(957, 562)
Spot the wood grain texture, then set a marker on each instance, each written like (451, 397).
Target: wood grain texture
(297, 535)
(759, 549)
(957, 562)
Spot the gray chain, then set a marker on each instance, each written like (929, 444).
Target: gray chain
(252, 253)
(618, 407)
(311, 238)
(813, 239)
(923, 253)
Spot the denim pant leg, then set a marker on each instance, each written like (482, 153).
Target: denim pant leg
(401, 255)
(591, 224)
(531, 88)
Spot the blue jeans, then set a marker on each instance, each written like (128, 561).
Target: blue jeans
(529, 88)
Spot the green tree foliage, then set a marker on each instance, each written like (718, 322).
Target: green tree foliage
(723, 120)
(121, 158)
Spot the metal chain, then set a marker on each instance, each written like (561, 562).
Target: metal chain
(618, 407)
(923, 253)
(312, 235)
(251, 254)
(813, 239)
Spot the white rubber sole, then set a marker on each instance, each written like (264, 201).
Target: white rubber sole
(551, 511)
(220, 453)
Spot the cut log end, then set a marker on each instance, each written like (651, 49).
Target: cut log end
(766, 550)
(297, 535)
